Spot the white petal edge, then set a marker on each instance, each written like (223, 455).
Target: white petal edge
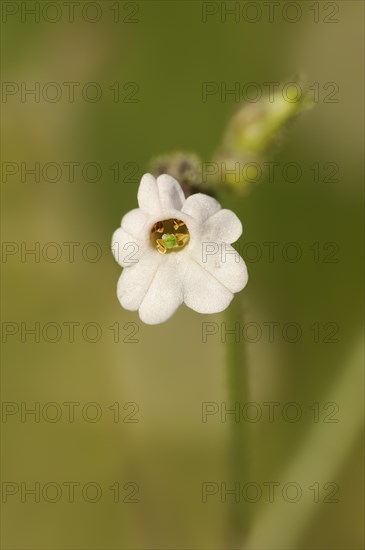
(224, 263)
(133, 223)
(127, 250)
(201, 207)
(156, 196)
(135, 281)
(148, 196)
(202, 291)
(164, 294)
(223, 227)
(171, 194)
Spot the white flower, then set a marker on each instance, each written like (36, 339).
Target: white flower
(176, 250)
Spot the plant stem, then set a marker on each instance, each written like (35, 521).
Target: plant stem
(238, 522)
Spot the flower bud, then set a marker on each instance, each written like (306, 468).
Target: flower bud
(255, 127)
(182, 166)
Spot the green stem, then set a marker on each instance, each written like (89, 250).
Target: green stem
(239, 513)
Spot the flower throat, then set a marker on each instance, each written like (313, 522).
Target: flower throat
(169, 236)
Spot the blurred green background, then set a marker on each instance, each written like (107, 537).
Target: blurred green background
(167, 52)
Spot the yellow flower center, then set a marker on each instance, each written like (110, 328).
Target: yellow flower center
(169, 236)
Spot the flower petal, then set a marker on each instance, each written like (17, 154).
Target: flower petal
(171, 194)
(164, 294)
(133, 222)
(157, 196)
(202, 291)
(127, 250)
(135, 281)
(223, 227)
(200, 206)
(224, 263)
(148, 196)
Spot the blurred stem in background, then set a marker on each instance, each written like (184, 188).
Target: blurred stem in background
(239, 517)
(252, 132)
(318, 452)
